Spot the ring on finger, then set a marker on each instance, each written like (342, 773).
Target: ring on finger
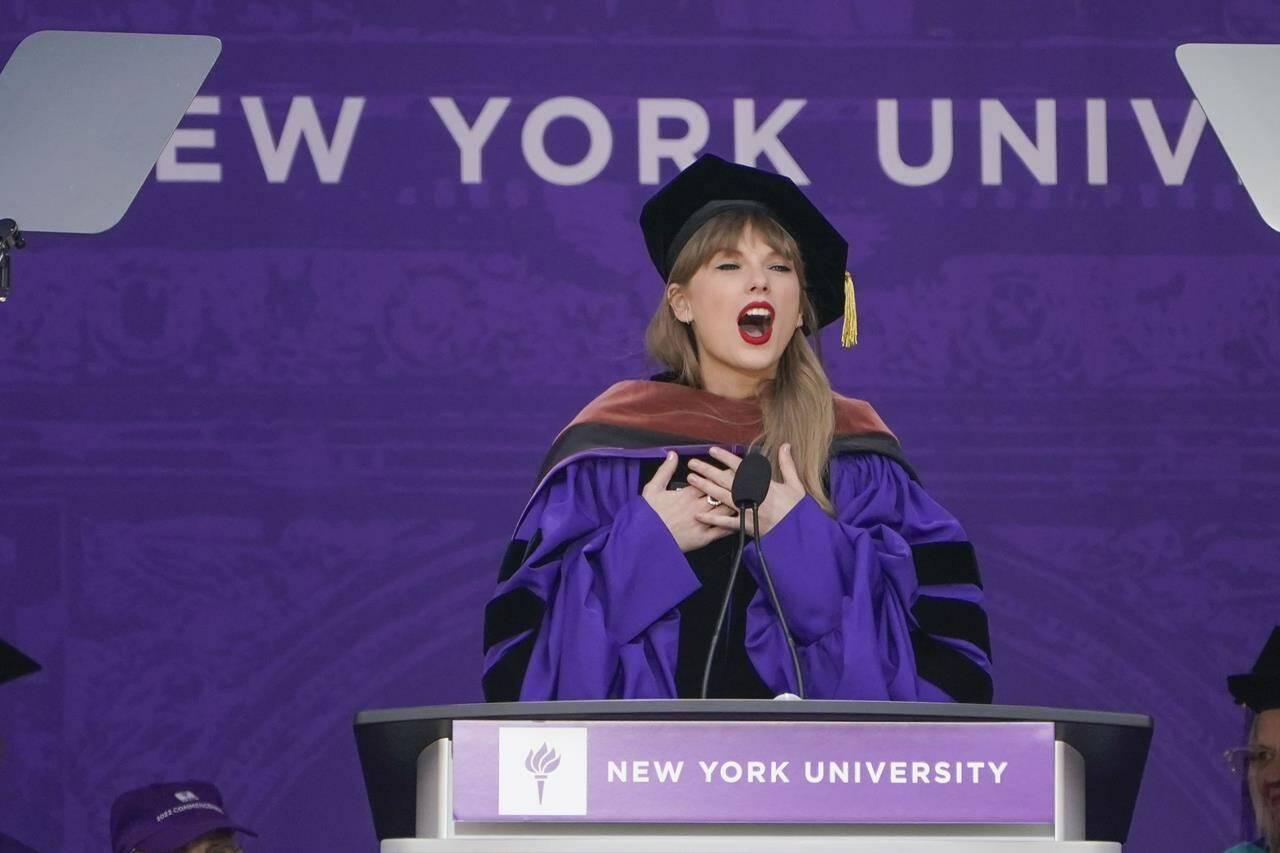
(714, 503)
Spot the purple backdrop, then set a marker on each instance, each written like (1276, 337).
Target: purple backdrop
(261, 445)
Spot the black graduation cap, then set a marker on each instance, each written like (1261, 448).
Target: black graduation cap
(711, 186)
(1259, 688)
(14, 664)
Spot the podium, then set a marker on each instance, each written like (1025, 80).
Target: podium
(748, 775)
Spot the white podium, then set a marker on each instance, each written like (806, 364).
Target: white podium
(750, 775)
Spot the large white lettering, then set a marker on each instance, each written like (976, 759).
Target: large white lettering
(682, 150)
(750, 141)
(661, 139)
(1095, 134)
(470, 139)
(533, 142)
(169, 168)
(996, 126)
(302, 123)
(890, 152)
(1172, 162)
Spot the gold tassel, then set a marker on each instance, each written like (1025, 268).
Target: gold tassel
(849, 331)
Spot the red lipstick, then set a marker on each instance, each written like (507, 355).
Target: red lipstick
(755, 323)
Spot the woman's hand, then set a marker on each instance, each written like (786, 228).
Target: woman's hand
(718, 483)
(682, 510)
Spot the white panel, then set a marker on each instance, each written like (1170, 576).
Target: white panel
(85, 117)
(1238, 85)
(435, 790)
(1068, 793)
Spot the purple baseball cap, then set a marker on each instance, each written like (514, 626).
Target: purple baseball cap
(161, 818)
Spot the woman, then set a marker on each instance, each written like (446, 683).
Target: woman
(612, 584)
(1259, 762)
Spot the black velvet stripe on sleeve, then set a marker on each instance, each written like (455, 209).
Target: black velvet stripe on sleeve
(503, 681)
(515, 555)
(946, 562)
(950, 670)
(518, 552)
(510, 613)
(949, 617)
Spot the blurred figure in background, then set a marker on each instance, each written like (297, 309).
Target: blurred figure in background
(173, 817)
(1259, 691)
(13, 664)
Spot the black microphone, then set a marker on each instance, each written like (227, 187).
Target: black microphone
(750, 486)
(751, 482)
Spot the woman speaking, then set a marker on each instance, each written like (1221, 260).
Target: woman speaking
(616, 577)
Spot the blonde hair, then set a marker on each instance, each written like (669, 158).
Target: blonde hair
(796, 404)
(1261, 811)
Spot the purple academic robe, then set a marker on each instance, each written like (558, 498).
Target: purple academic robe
(12, 845)
(884, 600)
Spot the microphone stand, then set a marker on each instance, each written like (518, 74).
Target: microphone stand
(750, 486)
(724, 603)
(773, 597)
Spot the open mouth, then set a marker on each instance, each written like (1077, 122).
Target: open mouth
(755, 323)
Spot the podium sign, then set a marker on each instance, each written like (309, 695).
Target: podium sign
(754, 772)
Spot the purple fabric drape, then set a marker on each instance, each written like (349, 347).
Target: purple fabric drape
(598, 586)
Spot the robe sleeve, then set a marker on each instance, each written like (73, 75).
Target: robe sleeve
(586, 597)
(884, 601)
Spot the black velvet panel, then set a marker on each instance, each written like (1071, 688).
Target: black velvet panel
(509, 614)
(513, 557)
(947, 617)
(502, 683)
(951, 671)
(946, 562)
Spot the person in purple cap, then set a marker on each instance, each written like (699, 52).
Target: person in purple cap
(1259, 761)
(173, 817)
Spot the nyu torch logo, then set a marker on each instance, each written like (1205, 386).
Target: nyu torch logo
(541, 762)
(528, 756)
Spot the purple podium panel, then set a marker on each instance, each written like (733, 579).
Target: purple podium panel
(754, 772)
